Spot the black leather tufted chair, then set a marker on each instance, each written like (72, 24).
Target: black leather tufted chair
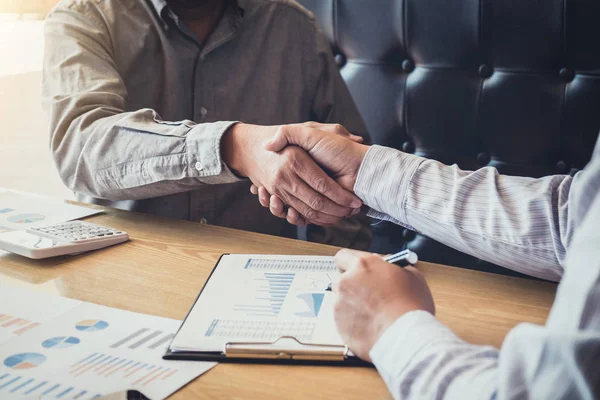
(514, 84)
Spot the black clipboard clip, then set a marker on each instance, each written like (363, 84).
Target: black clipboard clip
(286, 348)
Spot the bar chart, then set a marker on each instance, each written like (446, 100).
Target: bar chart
(83, 350)
(15, 325)
(135, 371)
(24, 387)
(144, 338)
(270, 292)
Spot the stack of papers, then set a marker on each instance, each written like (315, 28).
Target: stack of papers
(54, 347)
(20, 211)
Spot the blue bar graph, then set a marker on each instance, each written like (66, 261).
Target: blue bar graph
(27, 382)
(28, 387)
(36, 387)
(64, 393)
(85, 359)
(10, 382)
(51, 389)
(271, 292)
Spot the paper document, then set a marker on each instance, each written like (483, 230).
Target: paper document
(254, 298)
(20, 211)
(87, 351)
(22, 310)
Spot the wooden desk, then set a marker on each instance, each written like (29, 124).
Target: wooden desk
(162, 268)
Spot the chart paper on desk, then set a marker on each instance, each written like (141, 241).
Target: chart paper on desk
(256, 298)
(24, 310)
(19, 211)
(90, 351)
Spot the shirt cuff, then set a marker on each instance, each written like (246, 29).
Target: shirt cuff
(383, 180)
(401, 344)
(204, 153)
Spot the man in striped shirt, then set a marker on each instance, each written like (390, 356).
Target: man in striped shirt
(547, 228)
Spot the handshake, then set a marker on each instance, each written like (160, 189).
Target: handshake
(302, 172)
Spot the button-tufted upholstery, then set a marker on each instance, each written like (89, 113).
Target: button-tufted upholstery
(513, 84)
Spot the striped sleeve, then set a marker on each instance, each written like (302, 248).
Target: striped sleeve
(419, 358)
(519, 223)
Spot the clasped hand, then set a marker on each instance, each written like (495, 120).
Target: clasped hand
(290, 174)
(333, 148)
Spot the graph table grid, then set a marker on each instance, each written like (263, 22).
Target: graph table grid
(261, 330)
(292, 265)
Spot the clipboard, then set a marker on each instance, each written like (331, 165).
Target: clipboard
(286, 349)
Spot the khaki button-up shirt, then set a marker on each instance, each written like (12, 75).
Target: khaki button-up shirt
(138, 105)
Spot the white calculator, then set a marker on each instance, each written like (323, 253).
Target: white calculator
(56, 240)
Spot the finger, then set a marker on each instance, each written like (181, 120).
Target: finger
(294, 217)
(289, 134)
(337, 129)
(321, 206)
(253, 189)
(299, 135)
(418, 274)
(277, 207)
(335, 286)
(305, 210)
(316, 178)
(347, 259)
(263, 197)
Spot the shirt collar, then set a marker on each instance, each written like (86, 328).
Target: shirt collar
(163, 11)
(160, 7)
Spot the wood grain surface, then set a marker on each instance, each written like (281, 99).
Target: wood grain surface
(162, 268)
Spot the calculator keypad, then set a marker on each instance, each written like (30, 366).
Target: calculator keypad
(76, 231)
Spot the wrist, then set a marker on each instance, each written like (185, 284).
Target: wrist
(232, 144)
(361, 152)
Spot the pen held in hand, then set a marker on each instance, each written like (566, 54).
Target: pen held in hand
(402, 259)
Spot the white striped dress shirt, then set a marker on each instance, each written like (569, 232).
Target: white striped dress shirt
(547, 228)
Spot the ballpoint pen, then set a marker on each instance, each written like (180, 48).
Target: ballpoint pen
(402, 259)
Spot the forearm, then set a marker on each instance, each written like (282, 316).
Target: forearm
(420, 358)
(519, 223)
(99, 147)
(134, 155)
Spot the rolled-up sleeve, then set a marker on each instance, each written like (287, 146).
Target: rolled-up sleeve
(100, 149)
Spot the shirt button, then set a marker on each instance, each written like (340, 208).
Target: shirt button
(199, 166)
(203, 221)
(203, 112)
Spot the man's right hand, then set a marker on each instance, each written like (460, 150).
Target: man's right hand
(330, 145)
(289, 173)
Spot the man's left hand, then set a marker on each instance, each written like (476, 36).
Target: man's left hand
(371, 295)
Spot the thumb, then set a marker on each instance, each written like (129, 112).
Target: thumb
(293, 135)
(279, 141)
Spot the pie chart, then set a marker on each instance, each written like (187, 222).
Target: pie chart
(61, 342)
(26, 218)
(24, 360)
(91, 325)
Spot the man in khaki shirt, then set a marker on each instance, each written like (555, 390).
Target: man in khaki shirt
(144, 98)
